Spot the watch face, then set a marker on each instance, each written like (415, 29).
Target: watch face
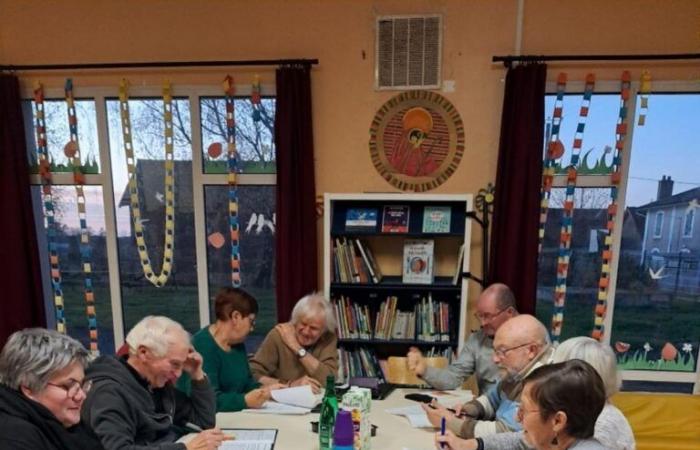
(301, 352)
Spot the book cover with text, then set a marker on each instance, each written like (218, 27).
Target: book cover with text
(395, 219)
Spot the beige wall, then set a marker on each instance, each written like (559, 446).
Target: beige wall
(340, 33)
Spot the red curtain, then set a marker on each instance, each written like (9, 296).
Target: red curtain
(21, 301)
(515, 224)
(296, 256)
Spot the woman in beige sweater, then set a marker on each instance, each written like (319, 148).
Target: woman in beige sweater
(302, 351)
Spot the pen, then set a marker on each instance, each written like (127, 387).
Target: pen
(442, 431)
(192, 427)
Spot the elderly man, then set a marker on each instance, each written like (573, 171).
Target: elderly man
(300, 352)
(133, 405)
(520, 346)
(494, 306)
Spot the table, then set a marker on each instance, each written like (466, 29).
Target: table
(393, 432)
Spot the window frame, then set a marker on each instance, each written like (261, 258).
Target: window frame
(658, 224)
(603, 181)
(689, 233)
(100, 95)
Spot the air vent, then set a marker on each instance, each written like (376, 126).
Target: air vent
(408, 53)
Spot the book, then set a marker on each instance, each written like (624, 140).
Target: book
(458, 269)
(395, 219)
(361, 219)
(436, 219)
(418, 261)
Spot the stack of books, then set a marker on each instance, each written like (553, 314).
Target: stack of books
(353, 262)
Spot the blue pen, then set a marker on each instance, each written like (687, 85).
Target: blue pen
(442, 431)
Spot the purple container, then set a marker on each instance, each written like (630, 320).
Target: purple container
(343, 434)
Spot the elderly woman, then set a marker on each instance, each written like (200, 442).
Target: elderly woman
(611, 427)
(225, 358)
(42, 388)
(302, 351)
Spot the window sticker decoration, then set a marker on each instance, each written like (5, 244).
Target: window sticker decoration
(615, 178)
(160, 279)
(555, 150)
(416, 140)
(49, 209)
(234, 228)
(568, 213)
(72, 151)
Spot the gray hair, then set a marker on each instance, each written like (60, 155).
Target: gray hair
(313, 305)
(156, 333)
(33, 355)
(598, 355)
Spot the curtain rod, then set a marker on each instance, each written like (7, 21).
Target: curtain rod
(143, 65)
(510, 59)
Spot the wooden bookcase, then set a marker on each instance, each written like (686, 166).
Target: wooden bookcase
(387, 249)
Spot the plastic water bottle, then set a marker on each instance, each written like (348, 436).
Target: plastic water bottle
(344, 433)
(326, 420)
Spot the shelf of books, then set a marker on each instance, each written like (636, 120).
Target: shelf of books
(393, 266)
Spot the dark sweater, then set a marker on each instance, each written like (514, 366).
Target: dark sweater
(28, 425)
(128, 415)
(228, 372)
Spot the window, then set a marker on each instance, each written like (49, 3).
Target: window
(654, 275)
(200, 260)
(658, 224)
(688, 222)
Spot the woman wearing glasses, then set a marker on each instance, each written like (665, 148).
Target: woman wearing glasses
(225, 358)
(42, 388)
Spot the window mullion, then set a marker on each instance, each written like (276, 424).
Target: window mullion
(200, 230)
(110, 220)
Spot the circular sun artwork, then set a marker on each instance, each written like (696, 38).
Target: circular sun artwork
(416, 140)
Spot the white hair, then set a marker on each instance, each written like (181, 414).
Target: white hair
(314, 305)
(598, 355)
(156, 333)
(33, 355)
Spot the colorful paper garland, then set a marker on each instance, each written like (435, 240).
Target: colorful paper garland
(568, 212)
(161, 279)
(644, 91)
(615, 178)
(229, 90)
(72, 151)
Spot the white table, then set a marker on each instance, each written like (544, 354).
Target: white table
(294, 432)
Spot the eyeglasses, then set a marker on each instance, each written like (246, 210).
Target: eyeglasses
(488, 317)
(73, 387)
(520, 414)
(252, 321)
(502, 352)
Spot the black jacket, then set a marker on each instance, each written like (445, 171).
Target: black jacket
(127, 415)
(27, 425)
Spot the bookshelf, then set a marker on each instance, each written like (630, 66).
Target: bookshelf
(364, 274)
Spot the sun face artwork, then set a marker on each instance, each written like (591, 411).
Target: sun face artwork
(417, 140)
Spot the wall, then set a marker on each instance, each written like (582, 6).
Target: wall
(340, 33)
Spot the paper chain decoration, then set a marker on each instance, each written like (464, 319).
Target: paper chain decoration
(72, 151)
(229, 90)
(255, 99)
(615, 177)
(49, 210)
(554, 151)
(644, 90)
(162, 278)
(568, 212)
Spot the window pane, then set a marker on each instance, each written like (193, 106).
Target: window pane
(72, 278)
(58, 134)
(589, 220)
(178, 298)
(599, 132)
(659, 271)
(254, 135)
(257, 248)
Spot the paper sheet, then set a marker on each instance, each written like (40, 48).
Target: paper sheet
(415, 415)
(271, 407)
(297, 396)
(249, 439)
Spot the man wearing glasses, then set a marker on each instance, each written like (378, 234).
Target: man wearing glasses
(133, 403)
(520, 346)
(495, 305)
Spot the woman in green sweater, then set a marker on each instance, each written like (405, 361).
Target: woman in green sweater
(225, 359)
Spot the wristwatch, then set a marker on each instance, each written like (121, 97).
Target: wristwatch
(301, 352)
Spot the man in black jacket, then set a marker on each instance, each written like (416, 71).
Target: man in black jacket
(133, 404)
